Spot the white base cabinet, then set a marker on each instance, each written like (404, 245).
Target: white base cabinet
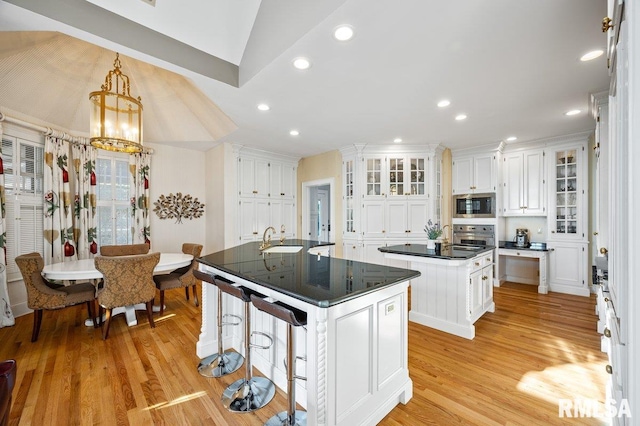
(450, 295)
(356, 351)
(568, 268)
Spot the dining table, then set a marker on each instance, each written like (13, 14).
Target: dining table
(85, 269)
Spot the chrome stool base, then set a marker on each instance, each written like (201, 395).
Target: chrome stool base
(282, 419)
(244, 396)
(220, 365)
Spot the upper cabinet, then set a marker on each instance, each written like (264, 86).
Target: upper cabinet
(253, 177)
(474, 174)
(568, 193)
(524, 183)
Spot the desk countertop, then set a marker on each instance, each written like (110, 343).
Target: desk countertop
(319, 280)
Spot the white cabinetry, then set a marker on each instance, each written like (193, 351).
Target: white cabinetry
(474, 174)
(567, 220)
(524, 183)
(389, 195)
(480, 294)
(266, 194)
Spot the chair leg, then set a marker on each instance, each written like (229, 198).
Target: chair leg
(106, 325)
(150, 311)
(37, 320)
(186, 292)
(195, 296)
(161, 302)
(91, 308)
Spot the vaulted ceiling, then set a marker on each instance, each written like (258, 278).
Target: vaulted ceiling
(203, 66)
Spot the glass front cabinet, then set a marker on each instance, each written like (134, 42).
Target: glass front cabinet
(389, 194)
(568, 194)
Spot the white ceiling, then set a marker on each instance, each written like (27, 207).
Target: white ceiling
(512, 66)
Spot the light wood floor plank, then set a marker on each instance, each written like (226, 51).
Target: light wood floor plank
(533, 350)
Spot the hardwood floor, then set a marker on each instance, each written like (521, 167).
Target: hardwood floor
(532, 351)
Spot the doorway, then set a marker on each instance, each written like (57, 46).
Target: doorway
(318, 211)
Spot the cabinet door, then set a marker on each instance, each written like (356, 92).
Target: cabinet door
(262, 181)
(396, 177)
(246, 220)
(417, 212)
(396, 218)
(373, 218)
(373, 257)
(534, 183)
(417, 176)
(567, 195)
(475, 296)
(487, 285)
(350, 250)
(275, 179)
(567, 266)
(289, 218)
(484, 174)
(288, 182)
(247, 177)
(374, 174)
(512, 197)
(462, 175)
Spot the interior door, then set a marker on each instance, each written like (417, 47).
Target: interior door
(322, 201)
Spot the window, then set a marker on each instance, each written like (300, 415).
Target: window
(23, 161)
(113, 214)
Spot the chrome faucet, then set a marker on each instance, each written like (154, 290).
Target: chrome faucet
(266, 242)
(282, 231)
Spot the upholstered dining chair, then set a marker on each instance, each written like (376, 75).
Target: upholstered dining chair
(181, 277)
(8, 370)
(43, 294)
(124, 250)
(128, 280)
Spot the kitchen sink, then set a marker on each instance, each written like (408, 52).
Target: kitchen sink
(282, 249)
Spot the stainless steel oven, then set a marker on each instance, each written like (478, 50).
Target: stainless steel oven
(474, 205)
(477, 235)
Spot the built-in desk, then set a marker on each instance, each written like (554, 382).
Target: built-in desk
(535, 250)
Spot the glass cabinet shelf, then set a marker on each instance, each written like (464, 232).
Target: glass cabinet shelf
(566, 187)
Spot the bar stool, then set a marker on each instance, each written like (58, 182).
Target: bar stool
(250, 393)
(294, 318)
(221, 363)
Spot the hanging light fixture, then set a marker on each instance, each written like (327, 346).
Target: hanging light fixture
(116, 117)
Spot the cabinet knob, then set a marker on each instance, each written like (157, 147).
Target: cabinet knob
(282, 193)
(607, 332)
(603, 250)
(553, 232)
(609, 369)
(477, 263)
(254, 191)
(595, 233)
(606, 24)
(606, 299)
(488, 259)
(255, 233)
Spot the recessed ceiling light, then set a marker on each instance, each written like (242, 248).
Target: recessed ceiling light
(343, 33)
(397, 140)
(461, 117)
(444, 103)
(294, 133)
(301, 63)
(511, 138)
(573, 112)
(263, 107)
(591, 55)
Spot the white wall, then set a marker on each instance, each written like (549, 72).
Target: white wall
(177, 170)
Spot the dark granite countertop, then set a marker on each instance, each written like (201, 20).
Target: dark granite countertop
(318, 280)
(450, 252)
(532, 246)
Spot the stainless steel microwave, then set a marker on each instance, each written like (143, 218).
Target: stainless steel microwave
(474, 205)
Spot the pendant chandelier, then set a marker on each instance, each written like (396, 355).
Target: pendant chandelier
(115, 119)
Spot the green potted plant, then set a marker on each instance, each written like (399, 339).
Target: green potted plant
(434, 231)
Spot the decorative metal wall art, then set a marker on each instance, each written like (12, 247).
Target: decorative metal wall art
(178, 206)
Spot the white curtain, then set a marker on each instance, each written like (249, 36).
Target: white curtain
(139, 166)
(58, 208)
(6, 315)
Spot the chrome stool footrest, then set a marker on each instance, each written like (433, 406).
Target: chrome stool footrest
(265, 335)
(237, 319)
(295, 376)
(282, 418)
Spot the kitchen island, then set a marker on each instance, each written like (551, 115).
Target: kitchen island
(356, 339)
(455, 286)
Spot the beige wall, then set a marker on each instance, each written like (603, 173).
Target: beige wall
(322, 166)
(446, 192)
